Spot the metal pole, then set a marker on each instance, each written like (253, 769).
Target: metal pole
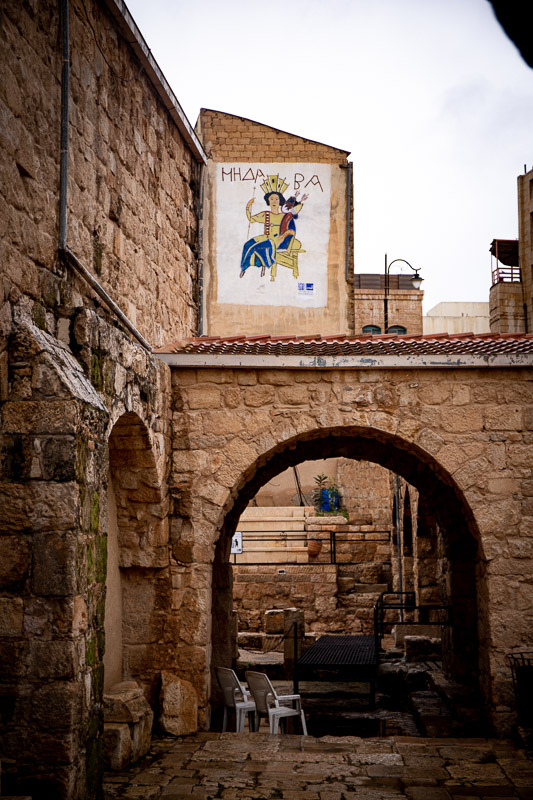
(399, 543)
(386, 298)
(295, 687)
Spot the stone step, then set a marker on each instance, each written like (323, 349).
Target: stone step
(271, 512)
(271, 525)
(433, 716)
(350, 586)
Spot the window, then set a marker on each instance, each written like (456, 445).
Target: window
(372, 329)
(396, 329)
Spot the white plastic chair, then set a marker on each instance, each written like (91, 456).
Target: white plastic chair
(236, 697)
(269, 704)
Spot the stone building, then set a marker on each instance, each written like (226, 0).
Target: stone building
(306, 286)
(457, 318)
(511, 293)
(393, 296)
(124, 471)
(100, 242)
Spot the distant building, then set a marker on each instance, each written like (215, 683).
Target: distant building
(457, 318)
(404, 304)
(511, 293)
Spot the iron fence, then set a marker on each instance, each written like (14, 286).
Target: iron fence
(400, 608)
(300, 547)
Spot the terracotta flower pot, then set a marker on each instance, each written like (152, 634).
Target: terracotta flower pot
(314, 546)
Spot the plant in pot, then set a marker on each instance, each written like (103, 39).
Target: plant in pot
(326, 495)
(326, 500)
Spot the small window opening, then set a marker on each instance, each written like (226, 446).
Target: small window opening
(396, 329)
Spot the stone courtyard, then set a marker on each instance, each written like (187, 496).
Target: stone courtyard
(263, 767)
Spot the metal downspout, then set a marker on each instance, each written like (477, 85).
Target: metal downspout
(201, 254)
(349, 167)
(63, 157)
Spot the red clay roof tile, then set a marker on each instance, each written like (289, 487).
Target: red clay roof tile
(383, 344)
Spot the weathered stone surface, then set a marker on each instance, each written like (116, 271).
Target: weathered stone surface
(11, 616)
(179, 705)
(127, 724)
(117, 745)
(427, 631)
(57, 706)
(204, 397)
(54, 564)
(39, 506)
(14, 559)
(125, 705)
(419, 648)
(273, 621)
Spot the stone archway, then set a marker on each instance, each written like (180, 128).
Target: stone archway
(138, 576)
(415, 466)
(460, 435)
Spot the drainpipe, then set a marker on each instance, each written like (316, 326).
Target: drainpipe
(349, 167)
(64, 250)
(201, 254)
(398, 540)
(63, 157)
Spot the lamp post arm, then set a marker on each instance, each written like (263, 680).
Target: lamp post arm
(416, 281)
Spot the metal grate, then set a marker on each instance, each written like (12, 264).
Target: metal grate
(340, 651)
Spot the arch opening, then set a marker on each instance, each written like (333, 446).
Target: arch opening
(442, 507)
(137, 567)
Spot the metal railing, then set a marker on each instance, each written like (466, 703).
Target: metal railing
(298, 543)
(501, 274)
(408, 613)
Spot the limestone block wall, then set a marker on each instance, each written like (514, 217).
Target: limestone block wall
(72, 381)
(404, 308)
(366, 491)
(228, 140)
(462, 437)
(133, 181)
(506, 307)
(55, 426)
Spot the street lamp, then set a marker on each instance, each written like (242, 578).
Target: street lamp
(416, 282)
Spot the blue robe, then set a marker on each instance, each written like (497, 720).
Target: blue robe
(265, 250)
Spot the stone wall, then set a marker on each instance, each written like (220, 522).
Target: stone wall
(506, 307)
(55, 426)
(70, 376)
(133, 182)
(366, 492)
(228, 138)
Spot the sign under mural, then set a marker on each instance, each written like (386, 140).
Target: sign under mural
(273, 233)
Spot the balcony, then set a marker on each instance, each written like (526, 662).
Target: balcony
(504, 261)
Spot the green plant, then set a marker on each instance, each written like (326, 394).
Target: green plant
(326, 495)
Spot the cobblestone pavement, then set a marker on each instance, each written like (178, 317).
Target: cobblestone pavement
(263, 767)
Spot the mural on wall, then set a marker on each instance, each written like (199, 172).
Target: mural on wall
(272, 246)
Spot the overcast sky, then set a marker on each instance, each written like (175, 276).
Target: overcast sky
(431, 98)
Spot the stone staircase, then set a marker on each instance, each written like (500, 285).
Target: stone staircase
(358, 589)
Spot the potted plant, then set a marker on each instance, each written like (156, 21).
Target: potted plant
(326, 495)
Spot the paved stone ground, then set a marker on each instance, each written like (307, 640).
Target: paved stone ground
(263, 767)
